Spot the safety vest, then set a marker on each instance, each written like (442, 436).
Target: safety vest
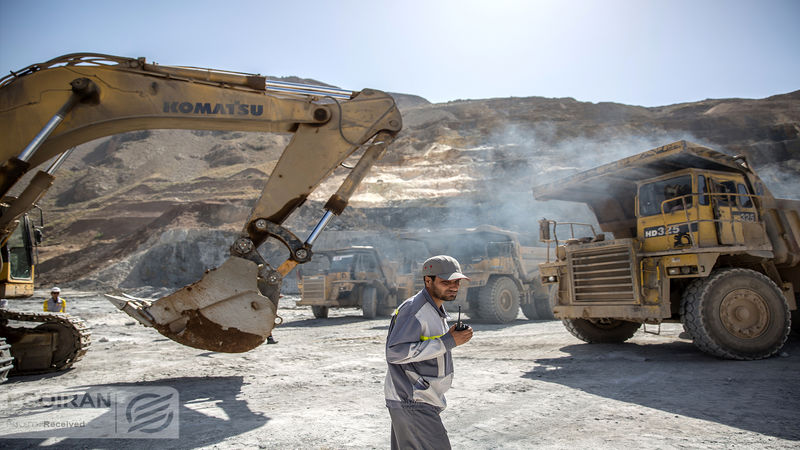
(56, 307)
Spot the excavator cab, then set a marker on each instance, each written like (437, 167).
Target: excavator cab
(19, 259)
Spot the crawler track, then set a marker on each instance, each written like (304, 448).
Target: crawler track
(74, 337)
(6, 360)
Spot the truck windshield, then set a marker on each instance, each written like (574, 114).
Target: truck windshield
(341, 263)
(652, 194)
(468, 248)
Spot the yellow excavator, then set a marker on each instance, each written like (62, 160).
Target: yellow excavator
(47, 109)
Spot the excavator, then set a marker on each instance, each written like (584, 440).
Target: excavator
(49, 108)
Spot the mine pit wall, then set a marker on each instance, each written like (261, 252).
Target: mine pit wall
(161, 257)
(181, 256)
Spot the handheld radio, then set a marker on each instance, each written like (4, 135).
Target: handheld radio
(459, 324)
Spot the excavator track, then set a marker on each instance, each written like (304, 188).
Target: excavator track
(6, 360)
(55, 344)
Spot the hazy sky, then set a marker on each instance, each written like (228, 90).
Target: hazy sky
(627, 51)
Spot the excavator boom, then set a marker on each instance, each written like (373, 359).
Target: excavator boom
(46, 109)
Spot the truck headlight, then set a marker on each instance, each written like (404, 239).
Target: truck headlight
(682, 270)
(552, 278)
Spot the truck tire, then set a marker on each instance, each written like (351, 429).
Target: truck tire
(601, 331)
(388, 305)
(736, 314)
(6, 360)
(369, 302)
(499, 301)
(544, 304)
(320, 312)
(529, 310)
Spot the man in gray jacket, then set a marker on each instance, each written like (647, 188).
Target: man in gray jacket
(420, 363)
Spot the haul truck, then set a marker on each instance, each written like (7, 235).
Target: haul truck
(353, 277)
(698, 238)
(503, 275)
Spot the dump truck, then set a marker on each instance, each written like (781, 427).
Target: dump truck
(47, 109)
(353, 277)
(696, 237)
(503, 274)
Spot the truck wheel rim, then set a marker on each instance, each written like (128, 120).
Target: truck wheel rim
(744, 313)
(505, 300)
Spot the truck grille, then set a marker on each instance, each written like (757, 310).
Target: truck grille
(602, 275)
(313, 288)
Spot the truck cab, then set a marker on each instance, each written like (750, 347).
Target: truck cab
(698, 208)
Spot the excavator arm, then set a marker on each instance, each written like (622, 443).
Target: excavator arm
(47, 109)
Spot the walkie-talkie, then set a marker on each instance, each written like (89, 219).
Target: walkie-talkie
(460, 326)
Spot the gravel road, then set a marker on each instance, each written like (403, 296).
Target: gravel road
(523, 385)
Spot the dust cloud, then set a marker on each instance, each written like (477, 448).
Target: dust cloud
(519, 158)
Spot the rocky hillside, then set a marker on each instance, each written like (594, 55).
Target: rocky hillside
(158, 207)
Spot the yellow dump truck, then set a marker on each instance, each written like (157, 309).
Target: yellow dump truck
(697, 238)
(503, 274)
(353, 277)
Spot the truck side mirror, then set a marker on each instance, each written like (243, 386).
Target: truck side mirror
(544, 230)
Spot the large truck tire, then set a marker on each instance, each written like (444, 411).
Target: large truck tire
(369, 302)
(320, 312)
(6, 360)
(601, 331)
(529, 310)
(388, 305)
(499, 301)
(544, 303)
(736, 314)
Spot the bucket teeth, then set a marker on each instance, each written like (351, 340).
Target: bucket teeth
(134, 307)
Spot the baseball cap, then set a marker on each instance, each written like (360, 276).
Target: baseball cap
(444, 267)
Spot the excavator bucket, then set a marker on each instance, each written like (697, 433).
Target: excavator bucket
(223, 312)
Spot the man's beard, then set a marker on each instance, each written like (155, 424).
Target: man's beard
(443, 294)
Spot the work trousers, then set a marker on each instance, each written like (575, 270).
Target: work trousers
(418, 428)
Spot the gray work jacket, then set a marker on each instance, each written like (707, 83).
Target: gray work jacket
(418, 353)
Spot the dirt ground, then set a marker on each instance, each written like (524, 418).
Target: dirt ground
(528, 384)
